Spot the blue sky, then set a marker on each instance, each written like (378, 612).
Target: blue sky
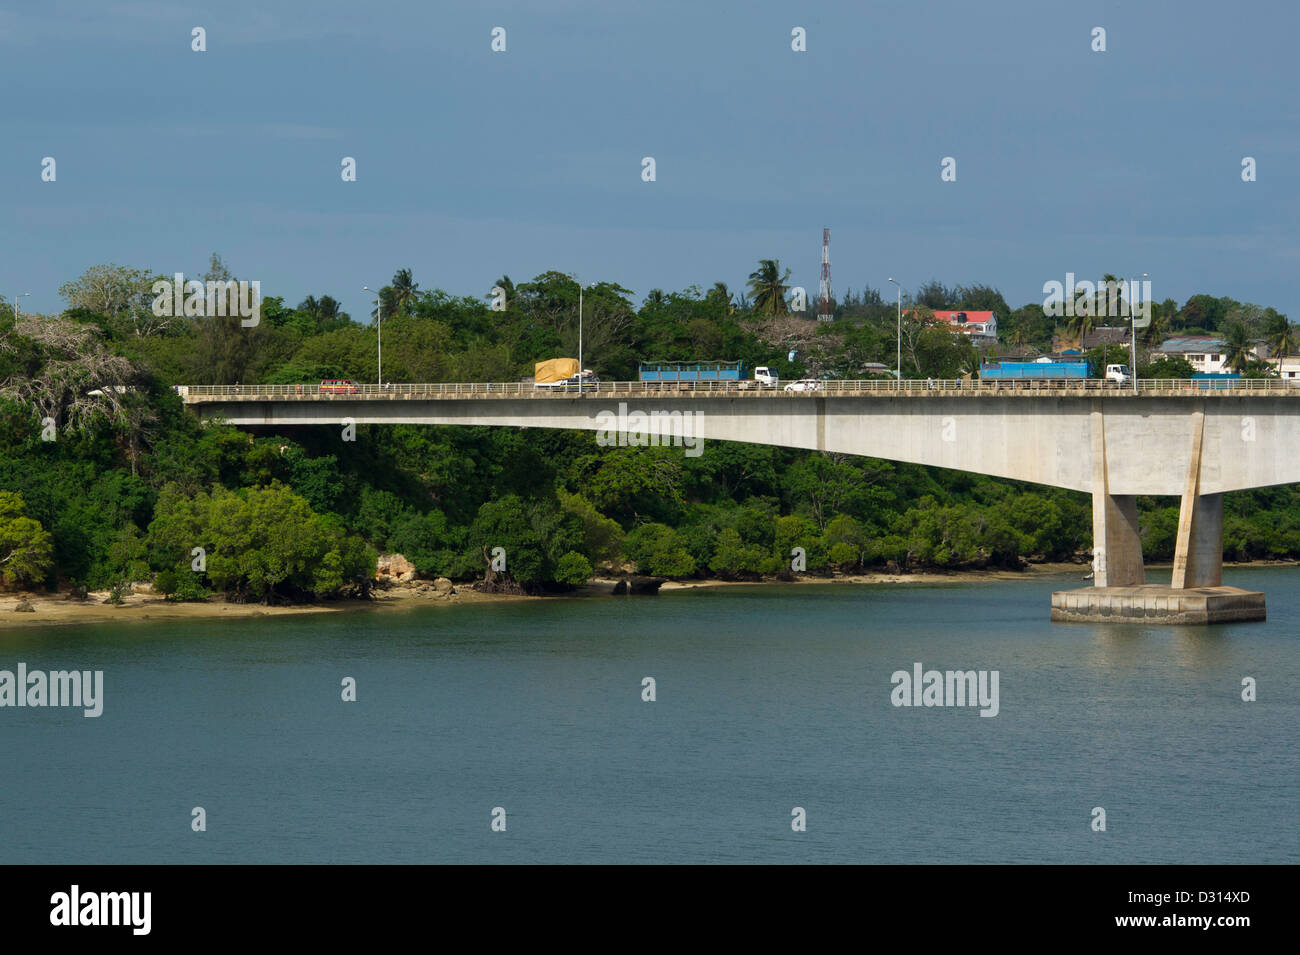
(472, 163)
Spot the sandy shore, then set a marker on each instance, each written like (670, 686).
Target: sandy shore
(54, 610)
(926, 577)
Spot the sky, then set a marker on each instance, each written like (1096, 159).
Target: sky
(472, 163)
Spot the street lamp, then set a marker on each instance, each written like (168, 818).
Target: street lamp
(580, 368)
(379, 324)
(1132, 321)
(898, 374)
(16, 297)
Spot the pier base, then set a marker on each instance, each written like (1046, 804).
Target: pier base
(1157, 604)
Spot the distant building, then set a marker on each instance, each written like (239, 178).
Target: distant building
(1106, 335)
(1068, 354)
(1207, 354)
(1287, 366)
(979, 325)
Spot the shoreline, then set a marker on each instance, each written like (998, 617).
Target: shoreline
(56, 610)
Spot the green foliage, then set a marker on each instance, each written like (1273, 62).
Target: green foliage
(26, 549)
(1167, 367)
(659, 550)
(261, 543)
(572, 569)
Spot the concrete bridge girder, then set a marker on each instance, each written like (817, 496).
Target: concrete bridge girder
(1247, 441)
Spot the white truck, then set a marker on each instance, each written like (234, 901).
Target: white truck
(1118, 373)
(766, 377)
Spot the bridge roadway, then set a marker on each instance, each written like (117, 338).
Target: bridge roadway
(1185, 438)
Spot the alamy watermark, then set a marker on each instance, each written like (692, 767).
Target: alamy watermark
(127, 909)
(1113, 299)
(657, 429)
(946, 688)
(82, 688)
(195, 299)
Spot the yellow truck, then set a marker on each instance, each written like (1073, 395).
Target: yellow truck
(554, 371)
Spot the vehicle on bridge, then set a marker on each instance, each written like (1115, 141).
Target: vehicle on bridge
(1034, 371)
(675, 372)
(805, 384)
(1049, 371)
(339, 386)
(561, 374)
(1215, 381)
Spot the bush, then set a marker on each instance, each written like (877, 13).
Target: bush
(187, 588)
(572, 568)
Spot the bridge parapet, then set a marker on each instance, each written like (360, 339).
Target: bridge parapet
(1085, 388)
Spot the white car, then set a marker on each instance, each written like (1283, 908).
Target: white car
(804, 384)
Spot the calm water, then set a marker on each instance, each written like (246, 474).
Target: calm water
(768, 698)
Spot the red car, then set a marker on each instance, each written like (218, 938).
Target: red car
(339, 386)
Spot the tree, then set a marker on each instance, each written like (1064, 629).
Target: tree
(916, 322)
(1167, 367)
(261, 543)
(123, 296)
(769, 287)
(1081, 322)
(71, 376)
(25, 547)
(658, 549)
(1237, 351)
(1279, 334)
(404, 292)
(224, 348)
(935, 295)
(721, 295)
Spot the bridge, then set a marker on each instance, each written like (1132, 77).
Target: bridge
(1195, 439)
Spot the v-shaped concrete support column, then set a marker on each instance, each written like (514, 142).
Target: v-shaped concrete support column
(1198, 553)
(1116, 543)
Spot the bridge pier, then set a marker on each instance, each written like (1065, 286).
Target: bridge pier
(1117, 543)
(1198, 555)
(1195, 595)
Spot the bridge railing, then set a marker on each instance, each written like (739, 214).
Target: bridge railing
(745, 389)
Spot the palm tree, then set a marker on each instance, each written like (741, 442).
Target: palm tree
(769, 288)
(327, 307)
(310, 305)
(1279, 333)
(505, 283)
(1155, 331)
(1080, 323)
(1109, 284)
(404, 290)
(1237, 353)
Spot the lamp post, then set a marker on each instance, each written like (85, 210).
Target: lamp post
(580, 368)
(16, 297)
(1132, 321)
(898, 373)
(379, 324)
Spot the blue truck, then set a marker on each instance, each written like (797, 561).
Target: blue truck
(1034, 370)
(1215, 382)
(691, 370)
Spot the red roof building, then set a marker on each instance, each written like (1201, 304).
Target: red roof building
(978, 324)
